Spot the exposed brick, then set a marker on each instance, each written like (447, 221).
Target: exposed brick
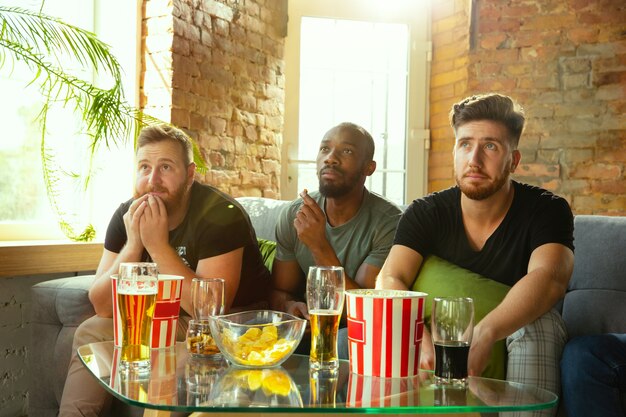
(551, 185)
(270, 193)
(218, 9)
(214, 86)
(569, 105)
(599, 204)
(217, 125)
(544, 22)
(617, 187)
(596, 171)
(493, 40)
(538, 170)
(575, 156)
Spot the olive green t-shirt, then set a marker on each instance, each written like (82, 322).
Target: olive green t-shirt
(366, 238)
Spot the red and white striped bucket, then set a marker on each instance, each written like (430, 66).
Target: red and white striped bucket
(162, 388)
(385, 329)
(166, 312)
(114, 381)
(372, 391)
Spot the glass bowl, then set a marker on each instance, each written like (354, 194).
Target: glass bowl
(257, 339)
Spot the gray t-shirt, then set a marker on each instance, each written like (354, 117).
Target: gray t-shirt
(367, 237)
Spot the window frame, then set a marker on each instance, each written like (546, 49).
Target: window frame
(101, 13)
(412, 13)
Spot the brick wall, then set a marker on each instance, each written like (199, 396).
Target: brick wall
(215, 68)
(565, 62)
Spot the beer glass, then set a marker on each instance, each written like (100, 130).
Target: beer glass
(452, 327)
(137, 288)
(325, 289)
(323, 387)
(207, 297)
(200, 377)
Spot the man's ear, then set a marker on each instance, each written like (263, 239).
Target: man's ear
(517, 157)
(191, 172)
(370, 167)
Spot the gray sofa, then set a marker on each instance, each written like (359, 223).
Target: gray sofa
(595, 302)
(60, 305)
(596, 298)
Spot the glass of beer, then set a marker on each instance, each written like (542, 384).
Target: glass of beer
(137, 288)
(323, 387)
(452, 327)
(325, 289)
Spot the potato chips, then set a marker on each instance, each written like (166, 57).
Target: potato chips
(271, 381)
(257, 346)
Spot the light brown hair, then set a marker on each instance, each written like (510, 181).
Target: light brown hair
(158, 133)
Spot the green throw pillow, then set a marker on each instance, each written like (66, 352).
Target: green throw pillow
(440, 278)
(268, 251)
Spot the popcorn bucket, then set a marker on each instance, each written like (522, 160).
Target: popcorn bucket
(166, 312)
(114, 380)
(372, 391)
(385, 329)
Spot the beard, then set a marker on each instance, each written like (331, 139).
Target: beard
(171, 199)
(333, 189)
(476, 192)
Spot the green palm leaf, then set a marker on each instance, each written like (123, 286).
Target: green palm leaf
(45, 43)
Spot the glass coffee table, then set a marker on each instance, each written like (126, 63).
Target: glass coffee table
(183, 383)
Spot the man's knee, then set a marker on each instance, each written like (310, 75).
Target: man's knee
(547, 333)
(578, 347)
(94, 329)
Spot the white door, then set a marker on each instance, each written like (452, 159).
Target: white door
(360, 61)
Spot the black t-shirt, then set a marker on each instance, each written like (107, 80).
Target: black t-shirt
(214, 224)
(434, 225)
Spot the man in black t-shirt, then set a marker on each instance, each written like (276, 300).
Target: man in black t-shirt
(510, 232)
(188, 229)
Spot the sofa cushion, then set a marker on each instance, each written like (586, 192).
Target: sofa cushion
(263, 214)
(58, 307)
(440, 278)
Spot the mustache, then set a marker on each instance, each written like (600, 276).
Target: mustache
(153, 189)
(330, 169)
(474, 171)
(138, 194)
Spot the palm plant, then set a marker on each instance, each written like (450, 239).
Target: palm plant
(43, 43)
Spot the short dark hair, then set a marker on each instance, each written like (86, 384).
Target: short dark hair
(360, 132)
(158, 133)
(493, 106)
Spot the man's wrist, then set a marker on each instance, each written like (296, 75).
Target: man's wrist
(131, 252)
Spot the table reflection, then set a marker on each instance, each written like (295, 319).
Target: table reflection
(271, 387)
(180, 382)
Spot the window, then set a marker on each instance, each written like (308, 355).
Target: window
(25, 211)
(365, 62)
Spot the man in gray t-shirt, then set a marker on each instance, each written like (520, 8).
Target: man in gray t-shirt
(342, 224)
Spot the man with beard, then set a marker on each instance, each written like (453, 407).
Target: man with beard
(187, 228)
(341, 224)
(507, 231)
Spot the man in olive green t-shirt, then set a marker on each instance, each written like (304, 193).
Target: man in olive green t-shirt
(342, 224)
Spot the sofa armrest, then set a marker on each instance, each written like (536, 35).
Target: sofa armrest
(596, 298)
(58, 307)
